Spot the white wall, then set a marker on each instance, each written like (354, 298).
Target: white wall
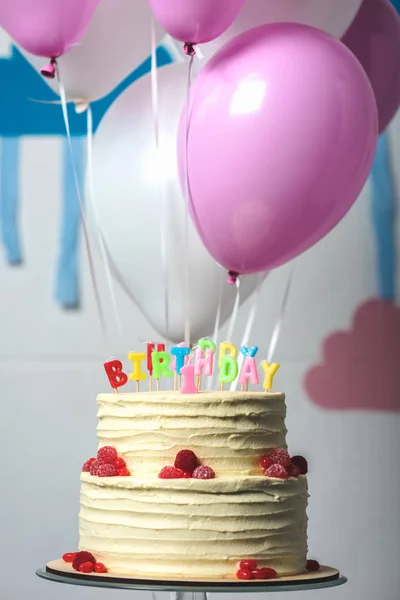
(51, 371)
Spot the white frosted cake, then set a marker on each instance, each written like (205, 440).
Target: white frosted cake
(194, 523)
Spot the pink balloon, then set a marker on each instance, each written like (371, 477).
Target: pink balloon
(374, 37)
(196, 21)
(46, 27)
(281, 138)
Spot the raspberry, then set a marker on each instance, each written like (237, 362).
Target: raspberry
(279, 456)
(312, 565)
(100, 568)
(94, 467)
(243, 574)
(107, 455)
(300, 462)
(248, 564)
(119, 463)
(203, 473)
(82, 557)
(123, 472)
(276, 471)
(293, 471)
(87, 465)
(263, 573)
(69, 557)
(186, 460)
(107, 471)
(170, 473)
(266, 462)
(86, 567)
(186, 475)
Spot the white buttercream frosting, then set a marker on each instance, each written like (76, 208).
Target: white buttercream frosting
(187, 528)
(228, 431)
(194, 528)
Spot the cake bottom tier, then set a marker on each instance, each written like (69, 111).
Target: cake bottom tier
(194, 528)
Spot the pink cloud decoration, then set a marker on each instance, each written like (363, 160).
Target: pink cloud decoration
(361, 367)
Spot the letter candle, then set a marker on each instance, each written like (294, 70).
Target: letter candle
(161, 362)
(137, 374)
(188, 386)
(180, 358)
(228, 371)
(249, 368)
(226, 348)
(269, 372)
(150, 350)
(203, 363)
(115, 374)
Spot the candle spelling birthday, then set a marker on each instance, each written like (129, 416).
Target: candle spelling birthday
(188, 367)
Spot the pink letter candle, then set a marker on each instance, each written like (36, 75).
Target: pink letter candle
(249, 371)
(188, 386)
(204, 363)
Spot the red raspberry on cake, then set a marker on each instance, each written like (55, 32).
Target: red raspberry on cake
(186, 460)
(276, 471)
(301, 463)
(107, 455)
(107, 471)
(203, 472)
(119, 463)
(170, 473)
(265, 462)
(87, 465)
(94, 467)
(293, 470)
(123, 472)
(81, 558)
(313, 565)
(280, 456)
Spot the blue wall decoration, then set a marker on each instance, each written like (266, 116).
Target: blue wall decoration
(384, 203)
(9, 200)
(23, 113)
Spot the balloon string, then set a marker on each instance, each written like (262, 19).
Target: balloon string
(161, 203)
(249, 326)
(187, 198)
(99, 234)
(82, 212)
(235, 312)
(278, 325)
(217, 325)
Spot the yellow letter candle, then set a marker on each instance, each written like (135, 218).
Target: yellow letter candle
(226, 348)
(269, 372)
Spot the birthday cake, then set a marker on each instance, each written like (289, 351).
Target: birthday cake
(195, 484)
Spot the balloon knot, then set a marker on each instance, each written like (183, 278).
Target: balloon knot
(189, 49)
(49, 70)
(232, 277)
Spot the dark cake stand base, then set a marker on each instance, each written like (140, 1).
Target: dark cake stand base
(61, 572)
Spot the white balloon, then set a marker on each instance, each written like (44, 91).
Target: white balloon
(126, 182)
(117, 41)
(332, 16)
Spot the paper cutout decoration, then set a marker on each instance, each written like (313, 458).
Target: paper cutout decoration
(361, 366)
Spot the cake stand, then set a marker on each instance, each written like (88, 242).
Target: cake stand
(60, 572)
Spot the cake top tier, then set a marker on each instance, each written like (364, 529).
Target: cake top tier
(229, 431)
